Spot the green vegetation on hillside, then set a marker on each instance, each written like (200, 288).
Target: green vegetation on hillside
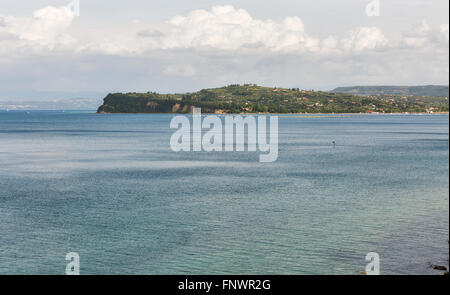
(429, 90)
(250, 98)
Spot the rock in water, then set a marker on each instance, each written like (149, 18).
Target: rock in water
(438, 267)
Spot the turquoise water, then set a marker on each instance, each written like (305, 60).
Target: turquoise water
(110, 188)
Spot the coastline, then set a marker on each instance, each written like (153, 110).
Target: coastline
(281, 114)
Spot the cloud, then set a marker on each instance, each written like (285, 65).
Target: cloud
(364, 38)
(45, 28)
(444, 31)
(227, 28)
(208, 48)
(222, 28)
(418, 36)
(330, 43)
(7, 36)
(150, 33)
(424, 36)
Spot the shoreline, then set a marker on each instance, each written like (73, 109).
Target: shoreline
(281, 114)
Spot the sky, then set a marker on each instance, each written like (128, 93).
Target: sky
(56, 49)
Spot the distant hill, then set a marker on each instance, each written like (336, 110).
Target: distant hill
(250, 98)
(429, 90)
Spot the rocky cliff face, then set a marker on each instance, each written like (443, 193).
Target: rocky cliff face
(121, 103)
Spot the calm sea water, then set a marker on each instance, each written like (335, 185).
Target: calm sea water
(110, 188)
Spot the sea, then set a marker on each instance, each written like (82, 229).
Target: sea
(111, 189)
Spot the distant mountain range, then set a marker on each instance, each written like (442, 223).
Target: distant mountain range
(429, 90)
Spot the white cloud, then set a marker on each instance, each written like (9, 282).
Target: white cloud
(444, 31)
(419, 36)
(46, 27)
(7, 36)
(424, 36)
(207, 48)
(223, 28)
(227, 28)
(150, 33)
(364, 38)
(330, 43)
